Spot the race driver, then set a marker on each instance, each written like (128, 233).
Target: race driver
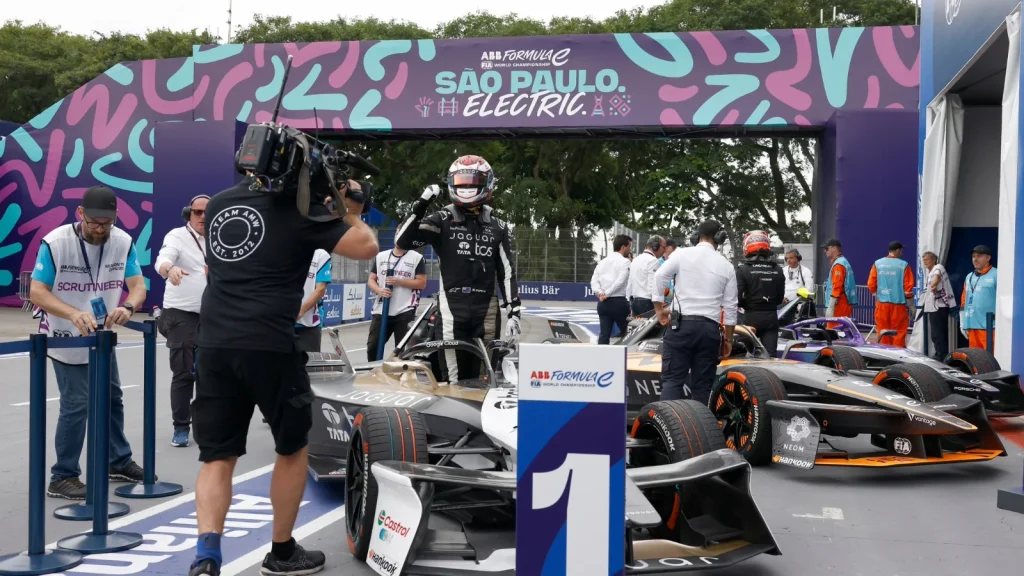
(474, 247)
(840, 286)
(761, 287)
(892, 282)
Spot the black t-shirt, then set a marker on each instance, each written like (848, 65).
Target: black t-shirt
(258, 250)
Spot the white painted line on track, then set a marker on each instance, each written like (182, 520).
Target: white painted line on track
(163, 506)
(55, 398)
(256, 556)
(826, 514)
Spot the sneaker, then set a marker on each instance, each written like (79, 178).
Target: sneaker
(69, 488)
(206, 567)
(130, 473)
(302, 562)
(180, 438)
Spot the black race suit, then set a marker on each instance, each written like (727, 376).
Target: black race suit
(761, 287)
(474, 251)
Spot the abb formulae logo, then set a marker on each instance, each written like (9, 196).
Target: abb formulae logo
(540, 375)
(386, 521)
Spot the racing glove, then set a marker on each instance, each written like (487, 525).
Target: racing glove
(513, 328)
(962, 329)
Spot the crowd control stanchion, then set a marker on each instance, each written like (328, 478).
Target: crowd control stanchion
(149, 488)
(382, 339)
(990, 326)
(37, 560)
(84, 511)
(101, 540)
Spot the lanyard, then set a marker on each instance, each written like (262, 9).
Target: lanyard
(391, 268)
(196, 240)
(88, 267)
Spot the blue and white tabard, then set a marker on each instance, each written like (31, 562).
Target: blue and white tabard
(319, 272)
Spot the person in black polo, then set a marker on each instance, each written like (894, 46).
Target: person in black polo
(705, 296)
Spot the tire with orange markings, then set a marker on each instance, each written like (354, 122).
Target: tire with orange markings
(842, 358)
(680, 429)
(378, 434)
(737, 403)
(917, 381)
(972, 361)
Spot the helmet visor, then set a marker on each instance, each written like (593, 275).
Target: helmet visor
(468, 179)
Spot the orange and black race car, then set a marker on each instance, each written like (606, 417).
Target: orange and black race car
(800, 414)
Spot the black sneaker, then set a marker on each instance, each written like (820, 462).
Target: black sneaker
(69, 488)
(130, 473)
(206, 567)
(302, 562)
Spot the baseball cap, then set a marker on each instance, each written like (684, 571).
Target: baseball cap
(981, 249)
(100, 202)
(833, 242)
(895, 245)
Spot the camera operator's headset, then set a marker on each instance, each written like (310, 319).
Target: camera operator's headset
(720, 236)
(187, 210)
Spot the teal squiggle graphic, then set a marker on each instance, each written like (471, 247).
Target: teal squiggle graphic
(758, 113)
(298, 99)
(3, 146)
(427, 50)
(217, 53)
(680, 65)
(7, 223)
(243, 114)
(42, 120)
(379, 51)
(142, 249)
(184, 77)
(74, 167)
(736, 87)
(770, 55)
(116, 181)
(264, 93)
(835, 66)
(32, 150)
(360, 120)
(152, 133)
(775, 121)
(141, 159)
(121, 74)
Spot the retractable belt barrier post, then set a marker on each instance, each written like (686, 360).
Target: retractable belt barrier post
(149, 488)
(37, 559)
(990, 326)
(382, 339)
(101, 540)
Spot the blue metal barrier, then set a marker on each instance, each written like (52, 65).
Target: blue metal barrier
(149, 488)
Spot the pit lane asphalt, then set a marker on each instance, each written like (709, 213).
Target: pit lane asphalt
(931, 520)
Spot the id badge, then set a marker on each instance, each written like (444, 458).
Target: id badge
(970, 298)
(99, 309)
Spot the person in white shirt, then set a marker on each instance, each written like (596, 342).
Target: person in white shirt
(308, 331)
(610, 284)
(704, 304)
(797, 275)
(938, 302)
(404, 275)
(641, 275)
(182, 261)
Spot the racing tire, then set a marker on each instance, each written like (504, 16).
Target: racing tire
(378, 434)
(972, 361)
(920, 382)
(842, 358)
(736, 402)
(680, 429)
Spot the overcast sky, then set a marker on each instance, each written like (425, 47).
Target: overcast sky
(135, 16)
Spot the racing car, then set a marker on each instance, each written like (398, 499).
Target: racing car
(799, 414)
(838, 343)
(428, 468)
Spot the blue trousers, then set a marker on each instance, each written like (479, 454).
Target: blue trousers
(73, 384)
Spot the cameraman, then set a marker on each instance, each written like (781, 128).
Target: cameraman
(258, 248)
(762, 287)
(473, 245)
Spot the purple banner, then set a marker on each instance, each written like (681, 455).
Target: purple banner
(103, 133)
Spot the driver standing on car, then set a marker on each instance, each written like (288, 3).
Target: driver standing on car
(762, 288)
(474, 247)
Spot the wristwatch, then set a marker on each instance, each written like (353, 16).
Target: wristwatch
(128, 306)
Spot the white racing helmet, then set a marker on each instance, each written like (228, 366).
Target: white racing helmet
(470, 181)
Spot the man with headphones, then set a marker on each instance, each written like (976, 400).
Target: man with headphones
(705, 306)
(182, 261)
(797, 275)
(641, 276)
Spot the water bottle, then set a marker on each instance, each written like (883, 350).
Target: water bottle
(156, 312)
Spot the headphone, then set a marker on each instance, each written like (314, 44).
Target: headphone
(796, 253)
(187, 210)
(654, 243)
(720, 236)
